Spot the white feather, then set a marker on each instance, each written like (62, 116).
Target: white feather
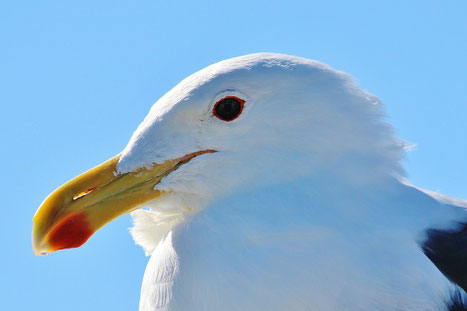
(301, 208)
(149, 227)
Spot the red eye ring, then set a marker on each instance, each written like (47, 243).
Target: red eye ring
(228, 108)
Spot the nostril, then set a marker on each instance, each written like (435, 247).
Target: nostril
(83, 194)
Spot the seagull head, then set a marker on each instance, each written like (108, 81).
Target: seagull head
(243, 122)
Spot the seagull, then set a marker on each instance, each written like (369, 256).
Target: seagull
(270, 182)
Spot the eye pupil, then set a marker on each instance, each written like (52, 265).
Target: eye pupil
(229, 108)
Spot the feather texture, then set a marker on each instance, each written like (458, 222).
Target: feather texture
(304, 206)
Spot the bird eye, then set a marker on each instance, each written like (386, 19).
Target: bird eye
(228, 108)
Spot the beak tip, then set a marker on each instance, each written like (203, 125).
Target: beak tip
(43, 254)
(38, 251)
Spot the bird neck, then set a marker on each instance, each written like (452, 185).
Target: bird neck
(330, 201)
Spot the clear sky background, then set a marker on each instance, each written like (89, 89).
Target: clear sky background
(77, 77)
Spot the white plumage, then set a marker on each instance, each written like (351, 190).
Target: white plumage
(303, 207)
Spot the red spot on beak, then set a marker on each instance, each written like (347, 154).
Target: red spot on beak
(71, 232)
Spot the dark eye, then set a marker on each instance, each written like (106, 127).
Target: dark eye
(228, 108)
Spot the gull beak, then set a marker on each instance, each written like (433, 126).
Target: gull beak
(72, 213)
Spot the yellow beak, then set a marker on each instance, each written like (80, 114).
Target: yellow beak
(77, 209)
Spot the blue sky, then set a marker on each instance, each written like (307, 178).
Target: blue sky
(78, 77)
